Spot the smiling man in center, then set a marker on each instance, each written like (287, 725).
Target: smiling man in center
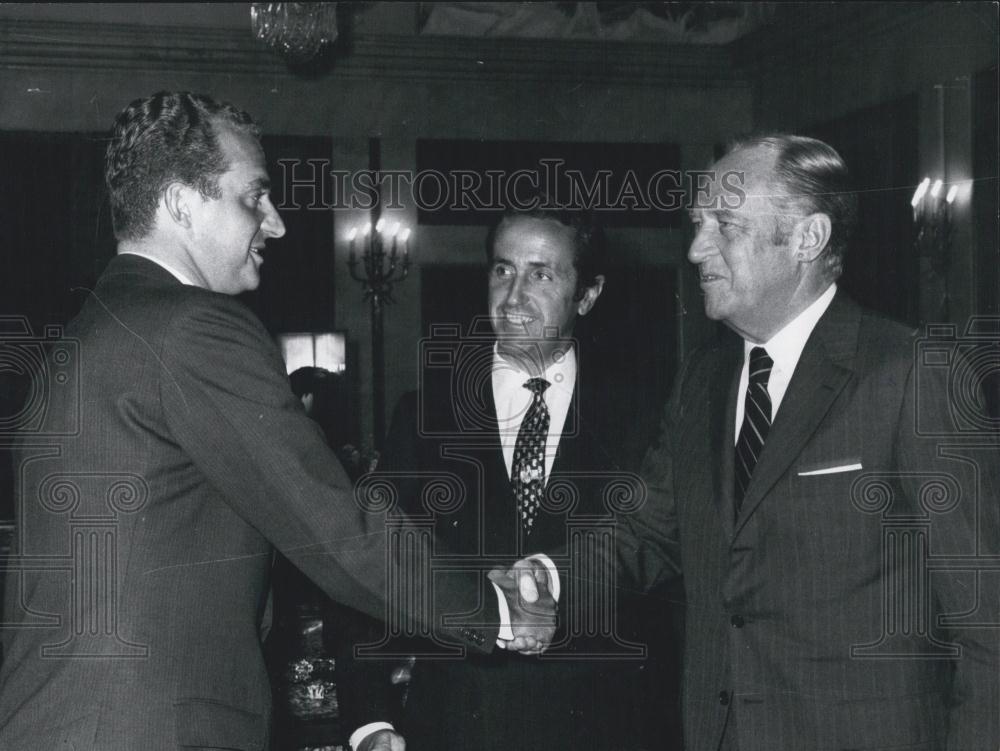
(514, 419)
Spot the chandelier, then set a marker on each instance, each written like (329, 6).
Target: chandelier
(296, 31)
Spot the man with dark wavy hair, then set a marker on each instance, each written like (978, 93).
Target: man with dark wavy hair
(520, 418)
(134, 605)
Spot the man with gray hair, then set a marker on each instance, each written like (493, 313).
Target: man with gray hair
(834, 519)
(793, 489)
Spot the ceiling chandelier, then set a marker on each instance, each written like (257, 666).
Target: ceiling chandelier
(296, 31)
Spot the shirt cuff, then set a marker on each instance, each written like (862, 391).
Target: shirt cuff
(553, 573)
(365, 730)
(506, 632)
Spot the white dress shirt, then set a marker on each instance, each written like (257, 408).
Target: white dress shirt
(512, 400)
(785, 349)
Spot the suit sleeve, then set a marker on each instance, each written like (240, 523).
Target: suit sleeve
(364, 688)
(955, 482)
(229, 405)
(648, 541)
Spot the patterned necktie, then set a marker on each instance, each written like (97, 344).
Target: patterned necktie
(756, 421)
(528, 468)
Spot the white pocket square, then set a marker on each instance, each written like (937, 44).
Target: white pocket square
(832, 470)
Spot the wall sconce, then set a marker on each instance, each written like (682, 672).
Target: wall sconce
(932, 213)
(385, 260)
(932, 217)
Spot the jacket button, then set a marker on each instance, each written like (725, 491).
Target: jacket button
(724, 698)
(738, 621)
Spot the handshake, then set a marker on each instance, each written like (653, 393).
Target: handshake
(531, 590)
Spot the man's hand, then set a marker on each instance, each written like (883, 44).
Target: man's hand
(382, 740)
(532, 607)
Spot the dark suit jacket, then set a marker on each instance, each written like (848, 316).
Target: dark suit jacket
(571, 698)
(826, 615)
(146, 529)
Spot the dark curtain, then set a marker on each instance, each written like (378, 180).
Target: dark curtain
(986, 189)
(879, 145)
(296, 289)
(60, 235)
(57, 242)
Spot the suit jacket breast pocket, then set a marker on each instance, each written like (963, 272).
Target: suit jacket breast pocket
(206, 723)
(827, 520)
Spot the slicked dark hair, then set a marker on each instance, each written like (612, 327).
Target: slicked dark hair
(589, 244)
(814, 179)
(167, 137)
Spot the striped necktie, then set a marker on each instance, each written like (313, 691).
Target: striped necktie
(756, 421)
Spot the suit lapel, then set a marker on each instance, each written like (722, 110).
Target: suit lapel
(499, 512)
(571, 457)
(727, 381)
(477, 457)
(823, 370)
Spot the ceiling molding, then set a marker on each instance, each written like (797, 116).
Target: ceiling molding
(831, 31)
(44, 44)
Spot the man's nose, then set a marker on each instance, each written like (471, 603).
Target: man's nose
(515, 290)
(272, 224)
(702, 246)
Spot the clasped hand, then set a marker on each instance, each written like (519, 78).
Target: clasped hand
(532, 606)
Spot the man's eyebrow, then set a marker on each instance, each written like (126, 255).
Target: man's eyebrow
(262, 183)
(532, 264)
(716, 214)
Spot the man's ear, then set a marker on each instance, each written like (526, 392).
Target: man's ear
(177, 201)
(590, 295)
(810, 237)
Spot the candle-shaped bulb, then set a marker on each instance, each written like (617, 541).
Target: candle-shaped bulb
(395, 230)
(918, 194)
(952, 192)
(936, 189)
(352, 234)
(379, 225)
(404, 235)
(367, 230)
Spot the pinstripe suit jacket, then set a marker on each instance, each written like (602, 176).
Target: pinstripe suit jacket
(146, 533)
(812, 619)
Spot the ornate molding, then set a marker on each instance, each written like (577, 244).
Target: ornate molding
(43, 44)
(49, 44)
(838, 30)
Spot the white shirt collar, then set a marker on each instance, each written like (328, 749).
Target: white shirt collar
(512, 400)
(785, 349)
(508, 378)
(786, 346)
(182, 278)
